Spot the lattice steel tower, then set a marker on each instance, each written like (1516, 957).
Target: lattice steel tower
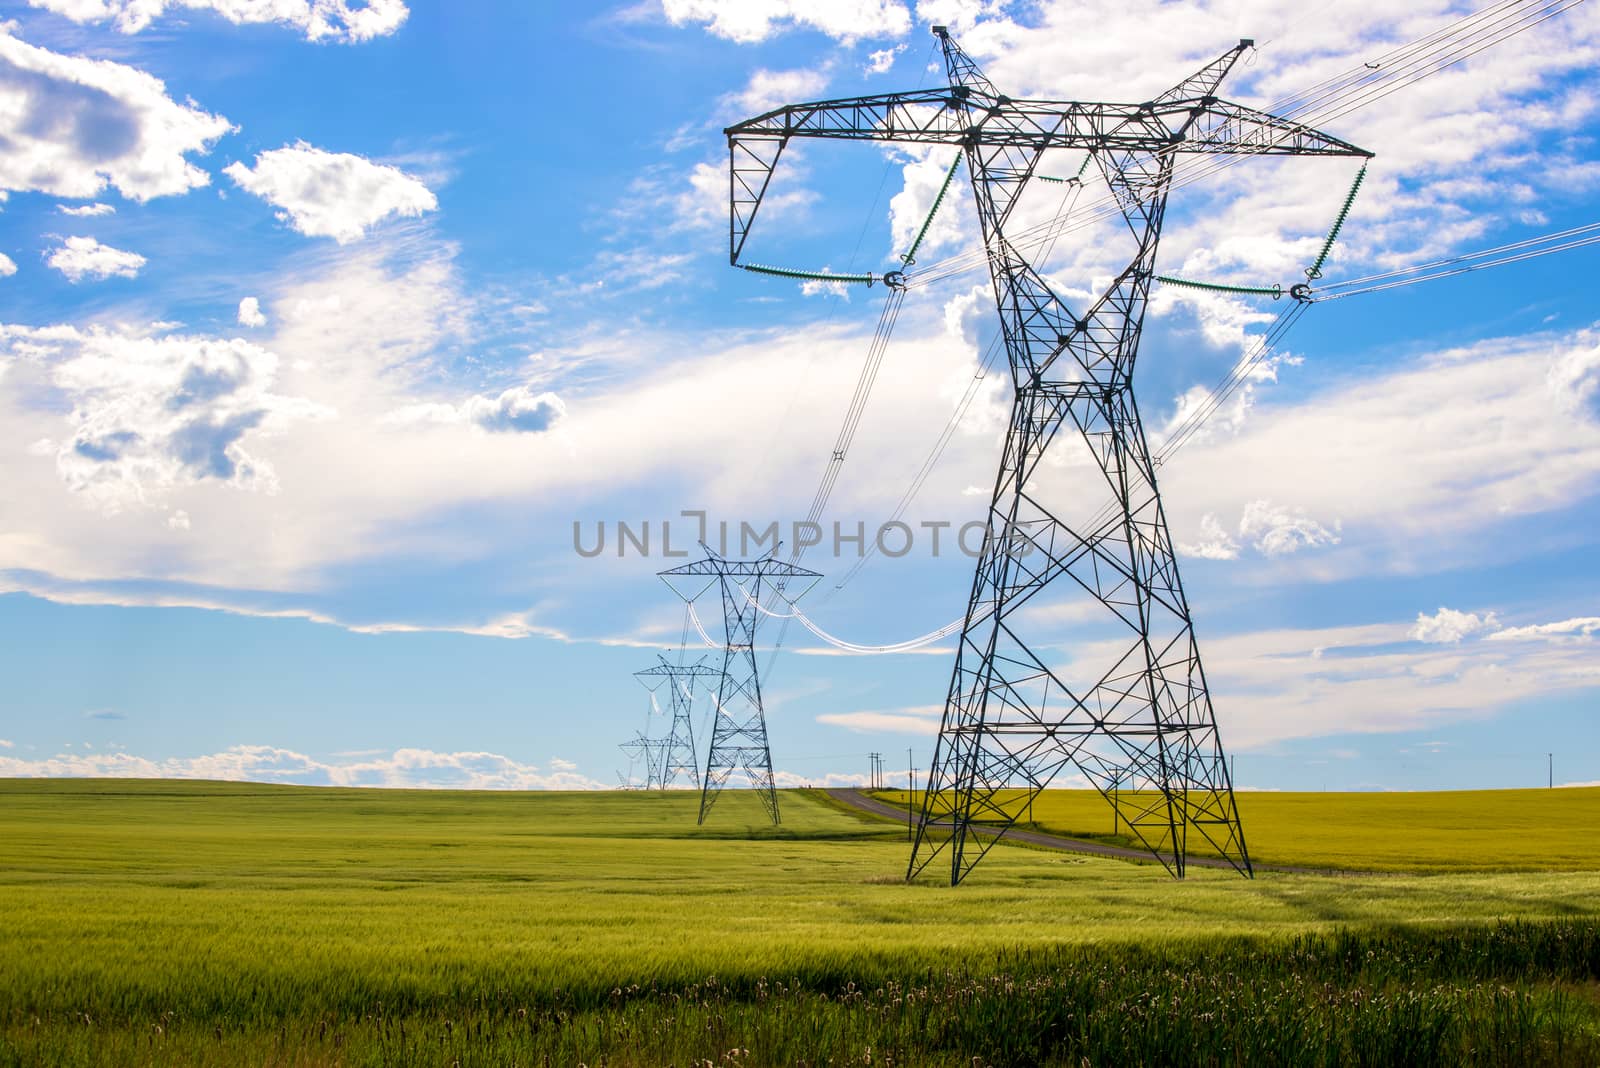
(679, 757)
(1128, 709)
(739, 720)
(653, 751)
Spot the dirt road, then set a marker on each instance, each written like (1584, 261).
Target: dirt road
(858, 799)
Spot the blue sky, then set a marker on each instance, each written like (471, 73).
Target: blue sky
(322, 324)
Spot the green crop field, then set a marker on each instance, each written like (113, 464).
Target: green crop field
(1464, 831)
(207, 923)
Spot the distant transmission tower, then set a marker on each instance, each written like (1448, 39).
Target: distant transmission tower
(653, 751)
(739, 721)
(679, 758)
(1131, 705)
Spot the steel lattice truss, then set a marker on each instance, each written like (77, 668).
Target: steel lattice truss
(739, 721)
(679, 758)
(653, 751)
(1138, 723)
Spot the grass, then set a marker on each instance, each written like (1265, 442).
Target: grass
(203, 923)
(1444, 831)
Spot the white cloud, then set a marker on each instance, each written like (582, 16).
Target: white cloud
(702, 200)
(768, 89)
(4, 744)
(1579, 629)
(84, 257)
(1270, 529)
(72, 126)
(150, 413)
(879, 62)
(402, 768)
(1438, 453)
(331, 194)
(7, 266)
(1271, 686)
(922, 720)
(250, 313)
(318, 20)
(908, 209)
(1276, 531)
(1215, 542)
(85, 210)
(179, 520)
(749, 21)
(1449, 626)
(519, 408)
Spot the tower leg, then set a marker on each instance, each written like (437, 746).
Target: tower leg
(1133, 708)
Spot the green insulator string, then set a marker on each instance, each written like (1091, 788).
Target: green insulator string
(809, 276)
(1075, 178)
(1252, 291)
(1315, 270)
(911, 253)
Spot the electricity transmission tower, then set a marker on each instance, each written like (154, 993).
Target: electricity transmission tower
(653, 752)
(1130, 705)
(679, 757)
(739, 721)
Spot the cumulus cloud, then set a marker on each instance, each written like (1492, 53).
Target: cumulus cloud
(72, 126)
(1449, 626)
(879, 62)
(7, 266)
(768, 89)
(1214, 544)
(908, 209)
(85, 210)
(749, 21)
(250, 313)
(149, 413)
(318, 20)
(402, 768)
(1275, 530)
(1270, 529)
(518, 409)
(331, 194)
(84, 257)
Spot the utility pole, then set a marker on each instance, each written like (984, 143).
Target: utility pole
(1116, 808)
(911, 788)
(739, 720)
(1552, 769)
(1012, 707)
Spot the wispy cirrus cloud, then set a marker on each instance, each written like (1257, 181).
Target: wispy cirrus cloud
(919, 720)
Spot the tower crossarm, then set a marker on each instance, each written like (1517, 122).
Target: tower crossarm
(980, 121)
(674, 671)
(940, 117)
(766, 567)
